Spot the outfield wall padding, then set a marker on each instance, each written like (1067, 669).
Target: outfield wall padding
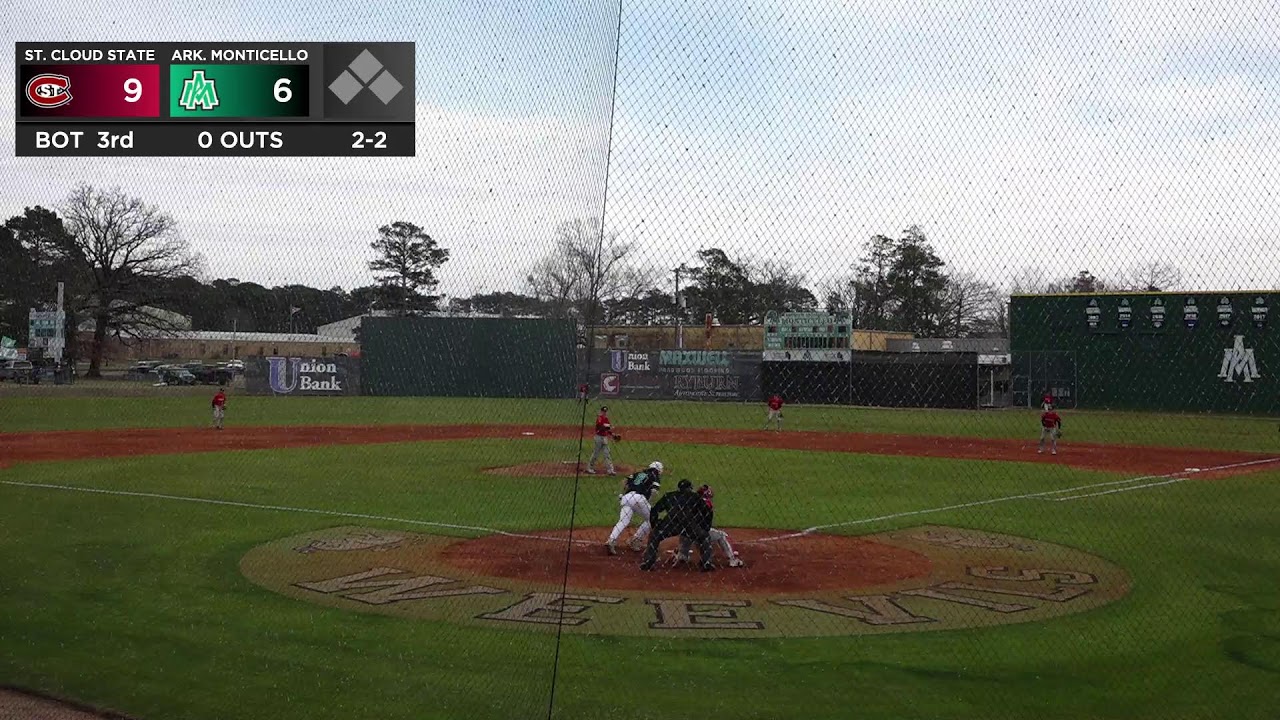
(1172, 352)
(468, 357)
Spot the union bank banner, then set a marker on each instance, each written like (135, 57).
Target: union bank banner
(328, 376)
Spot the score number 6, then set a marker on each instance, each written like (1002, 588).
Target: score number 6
(282, 91)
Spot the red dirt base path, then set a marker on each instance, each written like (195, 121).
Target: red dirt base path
(1137, 460)
(797, 565)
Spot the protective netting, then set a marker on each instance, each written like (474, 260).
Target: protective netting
(347, 437)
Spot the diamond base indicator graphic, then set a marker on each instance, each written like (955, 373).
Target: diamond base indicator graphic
(373, 80)
(89, 91)
(239, 91)
(214, 99)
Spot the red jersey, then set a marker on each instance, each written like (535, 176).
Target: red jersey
(706, 494)
(603, 426)
(220, 400)
(1050, 420)
(775, 403)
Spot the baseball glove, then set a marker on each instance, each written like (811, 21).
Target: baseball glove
(617, 438)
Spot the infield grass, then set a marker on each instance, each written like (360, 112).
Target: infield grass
(136, 603)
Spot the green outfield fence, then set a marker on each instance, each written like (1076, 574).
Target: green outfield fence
(1179, 352)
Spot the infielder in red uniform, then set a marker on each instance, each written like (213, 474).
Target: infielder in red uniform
(219, 408)
(1050, 429)
(604, 433)
(775, 413)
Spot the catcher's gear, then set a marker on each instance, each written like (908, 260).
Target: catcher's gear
(655, 465)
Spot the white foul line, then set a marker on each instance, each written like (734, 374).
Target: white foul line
(286, 508)
(1180, 476)
(1120, 490)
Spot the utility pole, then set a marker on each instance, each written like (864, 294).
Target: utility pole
(676, 310)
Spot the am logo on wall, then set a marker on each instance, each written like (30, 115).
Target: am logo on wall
(1239, 362)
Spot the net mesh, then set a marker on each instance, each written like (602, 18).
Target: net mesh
(955, 318)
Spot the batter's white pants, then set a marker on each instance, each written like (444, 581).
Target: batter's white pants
(631, 503)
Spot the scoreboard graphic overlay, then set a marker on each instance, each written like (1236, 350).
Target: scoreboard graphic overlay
(196, 99)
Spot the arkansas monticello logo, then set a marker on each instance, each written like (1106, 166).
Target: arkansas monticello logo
(1238, 361)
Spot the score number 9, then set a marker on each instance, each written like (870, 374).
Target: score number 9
(132, 90)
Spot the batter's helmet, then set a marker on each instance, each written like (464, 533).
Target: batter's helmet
(655, 465)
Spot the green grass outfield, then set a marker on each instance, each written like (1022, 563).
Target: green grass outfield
(54, 411)
(136, 602)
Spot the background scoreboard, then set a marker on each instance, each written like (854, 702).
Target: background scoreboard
(194, 99)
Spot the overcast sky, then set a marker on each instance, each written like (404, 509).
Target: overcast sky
(1064, 135)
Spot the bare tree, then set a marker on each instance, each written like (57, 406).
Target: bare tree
(1083, 282)
(968, 305)
(1153, 276)
(776, 285)
(127, 252)
(837, 294)
(1028, 280)
(585, 269)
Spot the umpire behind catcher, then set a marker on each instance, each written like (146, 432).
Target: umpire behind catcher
(681, 513)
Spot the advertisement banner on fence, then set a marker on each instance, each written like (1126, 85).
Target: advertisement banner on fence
(680, 374)
(330, 376)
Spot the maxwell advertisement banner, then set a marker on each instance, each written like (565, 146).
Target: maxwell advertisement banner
(302, 376)
(679, 374)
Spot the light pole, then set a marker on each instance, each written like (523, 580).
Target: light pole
(676, 307)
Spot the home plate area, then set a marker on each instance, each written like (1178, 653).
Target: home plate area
(817, 562)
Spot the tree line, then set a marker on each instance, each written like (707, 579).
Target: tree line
(121, 259)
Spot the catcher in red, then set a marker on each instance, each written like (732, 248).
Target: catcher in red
(1050, 429)
(719, 538)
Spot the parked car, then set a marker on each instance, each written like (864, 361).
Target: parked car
(210, 374)
(20, 371)
(143, 369)
(236, 366)
(174, 375)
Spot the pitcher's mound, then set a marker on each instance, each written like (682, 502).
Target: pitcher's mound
(564, 468)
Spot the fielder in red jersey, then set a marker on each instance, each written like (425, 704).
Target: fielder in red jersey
(604, 433)
(1050, 429)
(219, 408)
(775, 413)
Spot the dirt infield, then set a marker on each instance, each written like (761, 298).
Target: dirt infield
(799, 565)
(1137, 460)
(564, 468)
(27, 706)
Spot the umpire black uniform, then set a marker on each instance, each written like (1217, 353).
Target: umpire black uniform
(687, 516)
